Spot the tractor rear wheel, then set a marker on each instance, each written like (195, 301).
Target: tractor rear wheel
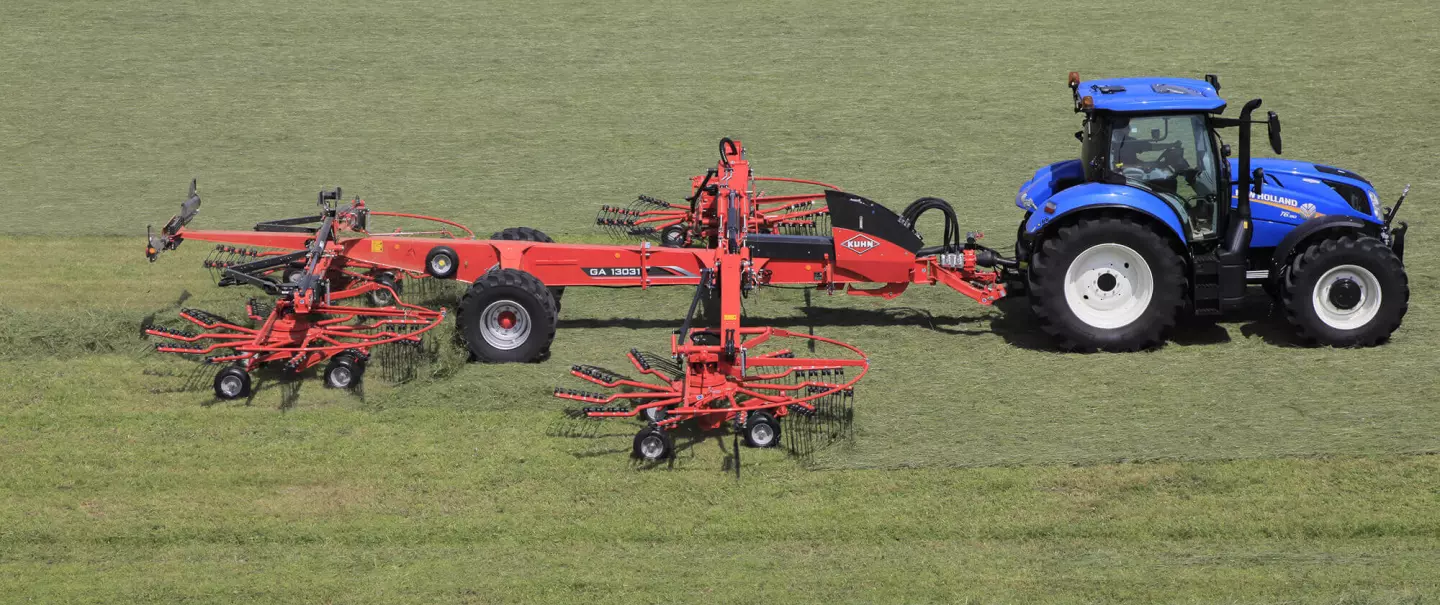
(1106, 283)
(526, 234)
(507, 315)
(1346, 292)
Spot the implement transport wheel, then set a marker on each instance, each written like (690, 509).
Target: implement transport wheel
(1349, 291)
(653, 444)
(232, 382)
(761, 430)
(507, 315)
(343, 371)
(1106, 283)
(526, 234)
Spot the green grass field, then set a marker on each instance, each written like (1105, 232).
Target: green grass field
(1229, 466)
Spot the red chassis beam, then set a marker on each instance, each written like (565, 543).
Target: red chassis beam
(640, 265)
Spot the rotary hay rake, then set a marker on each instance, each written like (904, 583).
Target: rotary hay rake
(745, 378)
(699, 221)
(306, 324)
(719, 373)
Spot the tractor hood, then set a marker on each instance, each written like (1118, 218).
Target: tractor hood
(1296, 191)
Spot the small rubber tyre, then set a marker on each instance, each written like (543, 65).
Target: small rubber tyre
(383, 298)
(343, 371)
(1106, 283)
(761, 430)
(1349, 291)
(526, 234)
(292, 275)
(232, 382)
(673, 237)
(655, 414)
(652, 444)
(442, 262)
(507, 316)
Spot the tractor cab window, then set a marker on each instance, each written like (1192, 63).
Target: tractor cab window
(1171, 156)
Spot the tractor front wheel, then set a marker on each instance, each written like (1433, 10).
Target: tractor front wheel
(1106, 283)
(1346, 292)
(507, 315)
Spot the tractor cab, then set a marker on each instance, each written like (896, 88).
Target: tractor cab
(1155, 216)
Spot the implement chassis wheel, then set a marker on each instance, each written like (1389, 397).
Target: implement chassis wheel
(1346, 292)
(507, 315)
(232, 382)
(761, 430)
(653, 444)
(1107, 283)
(526, 234)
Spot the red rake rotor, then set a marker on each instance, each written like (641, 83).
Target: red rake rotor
(705, 383)
(698, 220)
(299, 340)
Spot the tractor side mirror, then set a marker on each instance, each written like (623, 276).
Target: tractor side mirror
(1257, 178)
(1274, 123)
(1224, 150)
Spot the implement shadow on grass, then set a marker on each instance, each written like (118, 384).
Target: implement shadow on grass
(802, 436)
(813, 317)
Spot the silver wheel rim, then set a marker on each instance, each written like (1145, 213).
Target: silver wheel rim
(340, 377)
(1355, 317)
(762, 434)
(230, 385)
(440, 264)
(652, 447)
(505, 325)
(1109, 286)
(655, 414)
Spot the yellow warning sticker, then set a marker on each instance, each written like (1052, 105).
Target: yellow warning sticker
(732, 317)
(377, 246)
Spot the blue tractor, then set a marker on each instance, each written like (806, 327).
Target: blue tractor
(1116, 245)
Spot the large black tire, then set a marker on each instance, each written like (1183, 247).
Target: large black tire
(1054, 257)
(1316, 288)
(526, 234)
(507, 296)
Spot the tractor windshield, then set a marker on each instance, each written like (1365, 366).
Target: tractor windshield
(1171, 156)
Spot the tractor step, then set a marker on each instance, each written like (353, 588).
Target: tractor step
(1205, 276)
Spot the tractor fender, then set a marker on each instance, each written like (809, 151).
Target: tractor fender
(1330, 223)
(1097, 196)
